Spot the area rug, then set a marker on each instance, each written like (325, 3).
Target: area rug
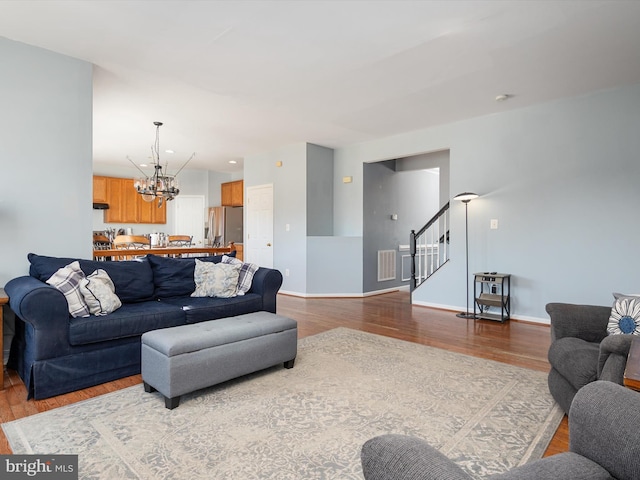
(308, 422)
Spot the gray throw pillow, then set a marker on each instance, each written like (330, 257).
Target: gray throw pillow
(215, 279)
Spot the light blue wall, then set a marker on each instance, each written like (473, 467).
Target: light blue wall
(334, 266)
(313, 257)
(45, 156)
(289, 207)
(562, 180)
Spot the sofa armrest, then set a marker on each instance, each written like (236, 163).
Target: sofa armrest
(588, 322)
(616, 344)
(45, 311)
(612, 360)
(604, 422)
(396, 457)
(266, 282)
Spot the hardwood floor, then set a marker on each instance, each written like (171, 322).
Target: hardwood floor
(518, 343)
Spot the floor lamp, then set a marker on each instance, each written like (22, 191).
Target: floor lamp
(465, 198)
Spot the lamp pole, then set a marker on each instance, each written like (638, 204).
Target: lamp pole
(465, 198)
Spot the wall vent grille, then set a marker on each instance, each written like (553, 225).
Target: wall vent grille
(386, 265)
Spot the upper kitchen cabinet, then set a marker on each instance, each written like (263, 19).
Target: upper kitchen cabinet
(232, 193)
(125, 204)
(149, 211)
(100, 189)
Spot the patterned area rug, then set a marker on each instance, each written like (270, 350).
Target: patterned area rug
(308, 422)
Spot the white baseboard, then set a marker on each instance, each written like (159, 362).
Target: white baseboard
(344, 295)
(520, 318)
(320, 295)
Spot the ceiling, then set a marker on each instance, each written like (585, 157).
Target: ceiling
(234, 78)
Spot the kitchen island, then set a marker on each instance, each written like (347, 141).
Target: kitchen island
(121, 253)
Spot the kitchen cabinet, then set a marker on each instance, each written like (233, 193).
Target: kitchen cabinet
(100, 189)
(127, 206)
(123, 205)
(149, 211)
(232, 193)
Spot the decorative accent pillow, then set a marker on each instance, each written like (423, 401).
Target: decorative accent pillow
(99, 293)
(215, 279)
(67, 279)
(247, 271)
(625, 315)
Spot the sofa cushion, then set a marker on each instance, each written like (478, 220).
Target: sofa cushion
(199, 309)
(133, 279)
(42, 267)
(173, 277)
(575, 359)
(129, 320)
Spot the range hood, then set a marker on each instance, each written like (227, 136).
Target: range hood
(100, 206)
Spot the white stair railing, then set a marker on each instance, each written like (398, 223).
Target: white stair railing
(429, 247)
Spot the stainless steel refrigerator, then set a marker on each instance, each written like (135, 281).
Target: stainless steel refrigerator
(225, 224)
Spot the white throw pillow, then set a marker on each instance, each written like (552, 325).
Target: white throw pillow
(247, 271)
(625, 315)
(215, 279)
(67, 279)
(100, 293)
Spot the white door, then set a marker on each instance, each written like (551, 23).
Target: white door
(258, 248)
(190, 217)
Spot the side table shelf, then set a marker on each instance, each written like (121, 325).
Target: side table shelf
(492, 294)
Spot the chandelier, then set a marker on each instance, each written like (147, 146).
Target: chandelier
(160, 185)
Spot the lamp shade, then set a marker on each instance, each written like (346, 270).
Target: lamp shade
(466, 197)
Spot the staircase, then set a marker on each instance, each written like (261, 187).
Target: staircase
(429, 247)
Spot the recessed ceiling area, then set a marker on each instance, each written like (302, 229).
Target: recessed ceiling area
(230, 79)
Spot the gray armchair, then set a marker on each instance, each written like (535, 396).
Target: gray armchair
(581, 351)
(604, 422)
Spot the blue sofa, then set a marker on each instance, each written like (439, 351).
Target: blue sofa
(55, 353)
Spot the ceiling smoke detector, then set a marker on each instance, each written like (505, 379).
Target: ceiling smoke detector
(502, 97)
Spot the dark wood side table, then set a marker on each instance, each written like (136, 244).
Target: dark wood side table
(632, 370)
(3, 301)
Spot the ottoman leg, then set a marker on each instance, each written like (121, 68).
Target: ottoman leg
(289, 363)
(171, 403)
(148, 388)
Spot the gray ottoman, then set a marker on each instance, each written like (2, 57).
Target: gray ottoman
(183, 359)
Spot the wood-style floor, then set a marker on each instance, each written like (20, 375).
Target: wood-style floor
(517, 343)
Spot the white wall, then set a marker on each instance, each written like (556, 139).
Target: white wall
(562, 180)
(45, 156)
